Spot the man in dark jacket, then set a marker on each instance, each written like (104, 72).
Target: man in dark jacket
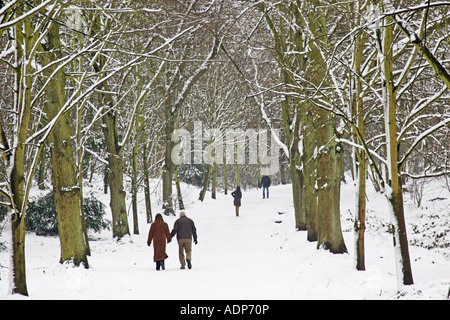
(185, 229)
(265, 181)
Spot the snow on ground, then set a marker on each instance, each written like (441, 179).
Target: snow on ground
(258, 255)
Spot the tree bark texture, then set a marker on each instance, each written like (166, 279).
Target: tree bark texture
(65, 184)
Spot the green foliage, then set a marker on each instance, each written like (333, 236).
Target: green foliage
(192, 174)
(94, 211)
(41, 215)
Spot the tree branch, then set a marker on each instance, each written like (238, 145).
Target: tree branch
(437, 66)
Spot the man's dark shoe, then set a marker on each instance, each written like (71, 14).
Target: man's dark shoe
(189, 263)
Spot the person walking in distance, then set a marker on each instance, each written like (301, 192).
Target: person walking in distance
(185, 230)
(159, 234)
(237, 195)
(265, 181)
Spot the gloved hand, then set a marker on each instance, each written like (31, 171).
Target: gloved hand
(195, 241)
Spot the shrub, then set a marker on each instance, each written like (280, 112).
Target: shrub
(41, 215)
(94, 211)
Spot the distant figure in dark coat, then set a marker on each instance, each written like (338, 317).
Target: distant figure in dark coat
(265, 182)
(237, 195)
(159, 233)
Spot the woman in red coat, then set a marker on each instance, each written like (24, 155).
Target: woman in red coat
(159, 233)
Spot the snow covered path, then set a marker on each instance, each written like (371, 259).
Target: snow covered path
(258, 255)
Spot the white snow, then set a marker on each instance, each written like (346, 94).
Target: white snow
(258, 255)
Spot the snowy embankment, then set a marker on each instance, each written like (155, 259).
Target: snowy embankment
(258, 255)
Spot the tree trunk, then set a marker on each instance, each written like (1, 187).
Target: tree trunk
(114, 150)
(309, 172)
(283, 172)
(225, 174)
(178, 187)
(214, 181)
(296, 173)
(148, 203)
(360, 221)
(258, 175)
(42, 168)
(115, 174)
(205, 182)
(238, 165)
(23, 84)
(80, 155)
(329, 151)
(19, 284)
(167, 191)
(134, 187)
(400, 239)
(329, 173)
(292, 130)
(359, 173)
(65, 183)
(169, 166)
(394, 187)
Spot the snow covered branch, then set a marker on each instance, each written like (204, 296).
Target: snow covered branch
(426, 5)
(437, 66)
(27, 14)
(197, 74)
(419, 139)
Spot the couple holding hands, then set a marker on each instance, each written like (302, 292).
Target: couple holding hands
(159, 233)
